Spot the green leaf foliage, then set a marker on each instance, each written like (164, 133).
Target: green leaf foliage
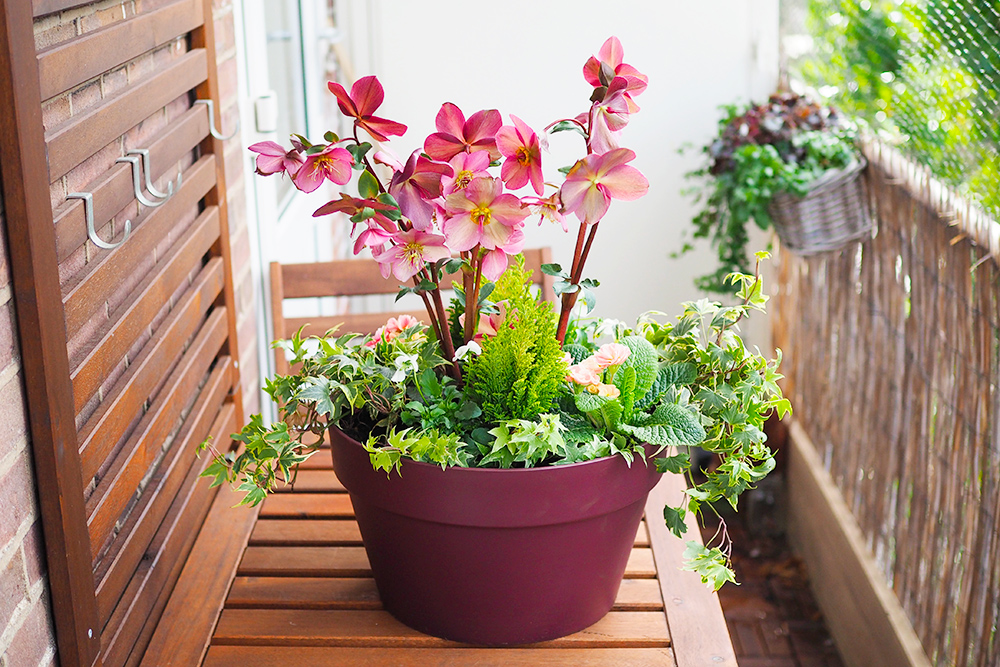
(521, 369)
(710, 564)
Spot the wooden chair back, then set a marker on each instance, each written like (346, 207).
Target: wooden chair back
(354, 277)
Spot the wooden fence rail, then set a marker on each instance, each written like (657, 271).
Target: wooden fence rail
(892, 358)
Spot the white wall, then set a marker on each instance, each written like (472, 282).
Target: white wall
(525, 57)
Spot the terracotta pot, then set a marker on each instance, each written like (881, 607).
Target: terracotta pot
(496, 557)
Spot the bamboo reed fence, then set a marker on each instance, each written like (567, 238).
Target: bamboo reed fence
(892, 363)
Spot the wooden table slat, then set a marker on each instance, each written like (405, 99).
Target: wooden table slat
(266, 656)
(361, 593)
(329, 627)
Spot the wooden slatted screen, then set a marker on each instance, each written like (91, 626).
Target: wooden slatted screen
(130, 353)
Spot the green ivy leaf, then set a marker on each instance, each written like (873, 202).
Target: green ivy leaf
(674, 518)
(709, 564)
(676, 464)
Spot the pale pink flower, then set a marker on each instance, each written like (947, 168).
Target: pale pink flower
(596, 179)
(393, 327)
(332, 163)
(375, 235)
(611, 354)
(605, 390)
(482, 214)
(609, 117)
(455, 134)
(466, 166)
(587, 372)
(366, 96)
(273, 158)
(519, 144)
(388, 158)
(490, 324)
(610, 56)
(412, 250)
(547, 209)
(416, 185)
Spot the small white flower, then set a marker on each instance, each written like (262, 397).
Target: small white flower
(405, 363)
(608, 326)
(472, 347)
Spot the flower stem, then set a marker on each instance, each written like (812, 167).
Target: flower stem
(472, 300)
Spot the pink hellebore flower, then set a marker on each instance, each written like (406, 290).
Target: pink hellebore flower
(489, 325)
(609, 117)
(467, 166)
(610, 56)
(366, 96)
(332, 163)
(483, 215)
(413, 249)
(418, 182)
(596, 179)
(456, 135)
(611, 354)
(392, 328)
(375, 235)
(548, 209)
(519, 144)
(273, 158)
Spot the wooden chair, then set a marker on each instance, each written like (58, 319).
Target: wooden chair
(354, 277)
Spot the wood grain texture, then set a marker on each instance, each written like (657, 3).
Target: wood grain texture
(116, 567)
(81, 136)
(130, 320)
(698, 630)
(263, 656)
(42, 337)
(89, 292)
(296, 627)
(113, 189)
(864, 616)
(69, 64)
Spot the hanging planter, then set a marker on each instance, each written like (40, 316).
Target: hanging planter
(791, 162)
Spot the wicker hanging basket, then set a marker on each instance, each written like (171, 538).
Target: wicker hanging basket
(834, 212)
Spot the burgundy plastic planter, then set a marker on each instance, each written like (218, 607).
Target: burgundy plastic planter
(496, 557)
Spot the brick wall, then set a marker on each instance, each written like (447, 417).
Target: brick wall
(25, 627)
(26, 634)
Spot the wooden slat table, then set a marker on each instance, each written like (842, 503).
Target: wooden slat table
(302, 594)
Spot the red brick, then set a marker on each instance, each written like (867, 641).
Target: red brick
(34, 638)
(240, 250)
(4, 265)
(228, 83)
(104, 17)
(8, 335)
(225, 36)
(13, 587)
(34, 554)
(57, 193)
(112, 82)
(85, 97)
(17, 497)
(140, 67)
(55, 111)
(70, 267)
(13, 421)
(80, 177)
(146, 131)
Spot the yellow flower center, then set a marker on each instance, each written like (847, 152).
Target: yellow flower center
(523, 155)
(481, 215)
(413, 252)
(463, 179)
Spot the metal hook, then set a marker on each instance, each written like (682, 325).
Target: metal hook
(137, 182)
(88, 209)
(211, 121)
(147, 171)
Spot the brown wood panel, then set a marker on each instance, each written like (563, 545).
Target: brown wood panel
(132, 318)
(89, 292)
(252, 592)
(308, 506)
(136, 615)
(278, 329)
(116, 567)
(306, 533)
(352, 277)
(77, 139)
(124, 403)
(113, 189)
(69, 64)
(196, 600)
(42, 337)
(330, 627)
(330, 532)
(44, 7)
(314, 481)
(698, 630)
(204, 38)
(363, 323)
(266, 656)
(115, 490)
(351, 561)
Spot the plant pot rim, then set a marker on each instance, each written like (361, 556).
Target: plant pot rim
(513, 497)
